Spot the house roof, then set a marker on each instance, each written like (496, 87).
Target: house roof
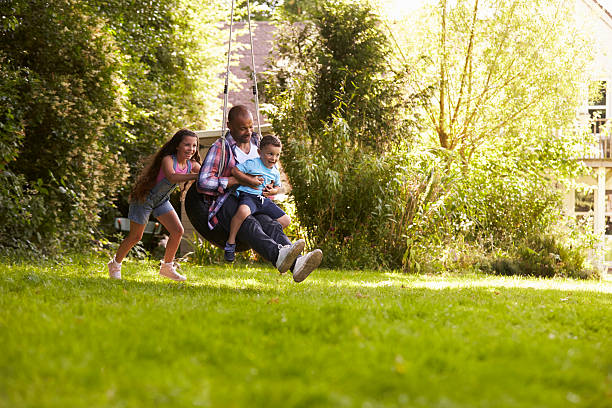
(604, 8)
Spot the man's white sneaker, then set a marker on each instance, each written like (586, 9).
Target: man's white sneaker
(114, 269)
(288, 253)
(306, 264)
(168, 270)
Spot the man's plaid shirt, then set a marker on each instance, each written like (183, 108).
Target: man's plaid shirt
(213, 184)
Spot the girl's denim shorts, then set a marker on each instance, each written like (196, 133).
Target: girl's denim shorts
(140, 211)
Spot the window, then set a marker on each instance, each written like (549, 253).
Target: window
(597, 105)
(584, 202)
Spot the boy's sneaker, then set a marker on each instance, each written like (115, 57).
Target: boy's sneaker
(230, 252)
(168, 270)
(306, 264)
(288, 254)
(114, 269)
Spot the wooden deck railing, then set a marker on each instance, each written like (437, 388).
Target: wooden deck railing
(602, 148)
(208, 137)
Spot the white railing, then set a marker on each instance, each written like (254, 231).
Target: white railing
(208, 137)
(602, 148)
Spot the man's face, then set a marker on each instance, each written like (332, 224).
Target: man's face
(241, 128)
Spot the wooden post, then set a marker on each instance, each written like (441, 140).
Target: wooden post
(600, 216)
(569, 202)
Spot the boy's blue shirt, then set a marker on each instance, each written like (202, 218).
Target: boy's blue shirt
(256, 167)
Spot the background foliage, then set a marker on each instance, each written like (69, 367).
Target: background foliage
(428, 143)
(66, 71)
(454, 161)
(89, 89)
(339, 108)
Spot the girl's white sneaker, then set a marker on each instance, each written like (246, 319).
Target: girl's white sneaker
(114, 269)
(168, 270)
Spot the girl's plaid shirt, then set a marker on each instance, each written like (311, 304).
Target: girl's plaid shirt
(213, 184)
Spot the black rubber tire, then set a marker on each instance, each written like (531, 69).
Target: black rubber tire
(196, 207)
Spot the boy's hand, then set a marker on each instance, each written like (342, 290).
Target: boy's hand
(267, 191)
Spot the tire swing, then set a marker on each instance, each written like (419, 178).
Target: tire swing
(197, 204)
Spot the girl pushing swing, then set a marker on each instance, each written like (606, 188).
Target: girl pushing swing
(177, 162)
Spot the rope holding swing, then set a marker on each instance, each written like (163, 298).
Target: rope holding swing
(226, 86)
(254, 73)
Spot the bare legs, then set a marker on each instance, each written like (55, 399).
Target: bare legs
(284, 221)
(132, 239)
(171, 221)
(242, 212)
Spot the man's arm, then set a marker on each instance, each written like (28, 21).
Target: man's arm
(208, 179)
(246, 179)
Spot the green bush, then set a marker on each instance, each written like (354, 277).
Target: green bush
(542, 256)
(88, 89)
(339, 114)
(370, 186)
(500, 221)
(67, 76)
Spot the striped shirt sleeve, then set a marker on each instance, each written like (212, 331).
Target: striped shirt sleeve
(208, 180)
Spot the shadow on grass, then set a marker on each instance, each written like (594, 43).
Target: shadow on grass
(15, 281)
(142, 278)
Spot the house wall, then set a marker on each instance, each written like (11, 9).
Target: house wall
(596, 21)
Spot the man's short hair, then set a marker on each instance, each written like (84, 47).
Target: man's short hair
(270, 140)
(237, 111)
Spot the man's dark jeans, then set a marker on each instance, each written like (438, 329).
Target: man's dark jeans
(259, 232)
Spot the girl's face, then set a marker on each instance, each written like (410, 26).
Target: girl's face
(187, 148)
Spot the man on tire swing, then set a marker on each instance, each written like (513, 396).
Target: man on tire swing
(263, 234)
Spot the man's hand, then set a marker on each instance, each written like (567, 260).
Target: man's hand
(232, 181)
(253, 181)
(246, 179)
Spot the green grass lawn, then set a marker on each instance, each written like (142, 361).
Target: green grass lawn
(247, 337)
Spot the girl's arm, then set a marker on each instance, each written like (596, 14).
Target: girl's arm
(173, 177)
(195, 166)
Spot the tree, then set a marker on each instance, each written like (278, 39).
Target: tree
(65, 74)
(172, 56)
(344, 77)
(88, 89)
(338, 111)
(500, 78)
(505, 73)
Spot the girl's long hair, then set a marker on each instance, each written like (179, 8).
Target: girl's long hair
(146, 180)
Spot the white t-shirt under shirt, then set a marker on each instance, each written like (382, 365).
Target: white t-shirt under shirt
(241, 156)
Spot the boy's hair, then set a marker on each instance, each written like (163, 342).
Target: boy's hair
(237, 111)
(270, 140)
(146, 179)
